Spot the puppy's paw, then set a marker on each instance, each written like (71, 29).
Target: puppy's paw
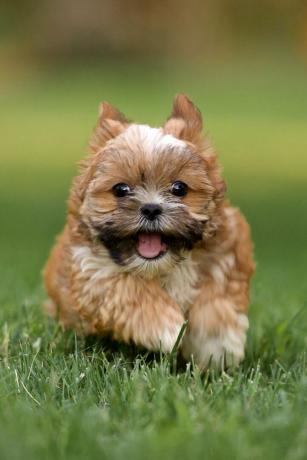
(222, 351)
(168, 329)
(169, 336)
(159, 332)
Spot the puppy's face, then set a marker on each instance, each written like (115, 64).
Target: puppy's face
(149, 199)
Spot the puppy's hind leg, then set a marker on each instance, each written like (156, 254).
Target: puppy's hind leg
(50, 308)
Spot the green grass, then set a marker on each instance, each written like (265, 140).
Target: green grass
(62, 397)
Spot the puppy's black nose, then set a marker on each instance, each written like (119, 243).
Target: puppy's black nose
(151, 211)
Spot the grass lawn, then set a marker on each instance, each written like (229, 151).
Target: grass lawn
(67, 398)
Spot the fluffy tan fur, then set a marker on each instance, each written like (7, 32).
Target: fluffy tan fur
(96, 281)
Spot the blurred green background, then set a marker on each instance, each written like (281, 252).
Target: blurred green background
(244, 64)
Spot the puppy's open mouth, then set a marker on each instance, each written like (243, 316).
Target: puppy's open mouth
(150, 245)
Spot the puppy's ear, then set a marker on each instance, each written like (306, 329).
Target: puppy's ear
(185, 121)
(111, 123)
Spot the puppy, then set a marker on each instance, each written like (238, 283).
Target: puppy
(150, 242)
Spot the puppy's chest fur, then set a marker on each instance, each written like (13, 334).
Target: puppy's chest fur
(180, 283)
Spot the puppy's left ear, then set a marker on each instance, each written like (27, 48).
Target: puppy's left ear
(185, 121)
(111, 123)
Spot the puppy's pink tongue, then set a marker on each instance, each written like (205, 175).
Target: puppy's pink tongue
(149, 245)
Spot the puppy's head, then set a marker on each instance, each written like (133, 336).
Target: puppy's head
(149, 195)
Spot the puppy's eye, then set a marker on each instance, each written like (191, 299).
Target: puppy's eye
(121, 190)
(179, 188)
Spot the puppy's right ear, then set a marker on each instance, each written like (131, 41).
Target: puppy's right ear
(111, 123)
(185, 121)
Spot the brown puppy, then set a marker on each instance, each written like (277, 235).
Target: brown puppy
(150, 242)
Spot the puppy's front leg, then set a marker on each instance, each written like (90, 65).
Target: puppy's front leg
(145, 314)
(217, 325)
(140, 311)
